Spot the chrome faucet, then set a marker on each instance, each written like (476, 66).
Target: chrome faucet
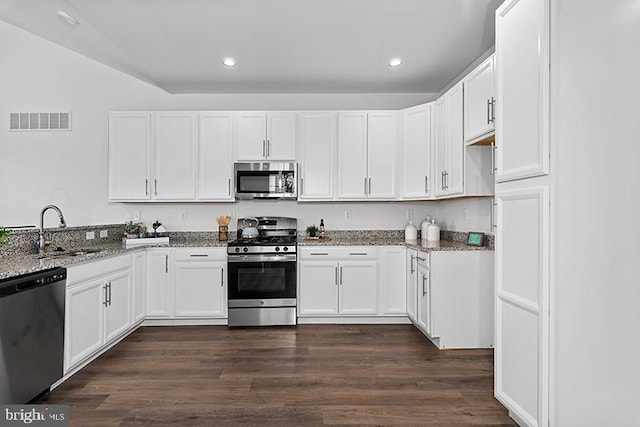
(42, 243)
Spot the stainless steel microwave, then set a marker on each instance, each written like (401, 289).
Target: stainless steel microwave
(266, 180)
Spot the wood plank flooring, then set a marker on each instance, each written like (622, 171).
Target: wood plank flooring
(304, 376)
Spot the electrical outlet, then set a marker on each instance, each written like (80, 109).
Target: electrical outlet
(347, 214)
(136, 215)
(104, 233)
(183, 215)
(90, 235)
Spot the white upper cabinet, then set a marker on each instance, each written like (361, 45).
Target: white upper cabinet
(522, 71)
(449, 144)
(266, 136)
(417, 180)
(316, 155)
(215, 156)
(366, 155)
(479, 101)
(174, 137)
(381, 160)
(129, 154)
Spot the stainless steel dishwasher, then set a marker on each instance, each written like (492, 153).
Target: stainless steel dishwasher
(31, 334)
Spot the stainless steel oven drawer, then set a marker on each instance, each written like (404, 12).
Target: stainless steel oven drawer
(266, 316)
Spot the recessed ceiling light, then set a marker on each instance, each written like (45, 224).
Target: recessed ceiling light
(67, 18)
(229, 62)
(394, 62)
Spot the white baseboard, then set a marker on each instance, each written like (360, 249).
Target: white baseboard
(354, 320)
(185, 322)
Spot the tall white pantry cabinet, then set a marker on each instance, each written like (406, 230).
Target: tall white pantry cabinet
(567, 318)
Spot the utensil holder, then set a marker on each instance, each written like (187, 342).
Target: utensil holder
(223, 233)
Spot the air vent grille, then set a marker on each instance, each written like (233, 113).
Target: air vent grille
(40, 121)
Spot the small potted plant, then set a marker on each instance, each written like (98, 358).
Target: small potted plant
(312, 230)
(132, 230)
(4, 235)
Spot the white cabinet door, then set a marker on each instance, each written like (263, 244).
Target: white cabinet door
(281, 136)
(455, 141)
(138, 286)
(118, 308)
(251, 142)
(84, 321)
(215, 156)
(522, 71)
(129, 151)
(200, 288)
(440, 145)
(479, 97)
(412, 280)
(352, 155)
(417, 182)
(159, 292)
(358, 289)
(173, 155)
(392, 280)
(317, 153)
(522, 303)
(424, 295)
(318, 288)
(381, 159)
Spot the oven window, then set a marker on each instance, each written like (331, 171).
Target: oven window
(259, 280)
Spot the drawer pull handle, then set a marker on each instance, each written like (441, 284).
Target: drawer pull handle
(319, 253)
(358, 253)
(199, 255)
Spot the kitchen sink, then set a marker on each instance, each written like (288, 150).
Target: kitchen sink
(69, 253)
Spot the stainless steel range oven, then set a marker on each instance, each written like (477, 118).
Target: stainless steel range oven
(262, 274)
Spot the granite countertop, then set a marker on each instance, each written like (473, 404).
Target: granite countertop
(16, 265)
(421, 245)
(11, 266)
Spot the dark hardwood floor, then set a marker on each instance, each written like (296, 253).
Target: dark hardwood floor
(309, 375)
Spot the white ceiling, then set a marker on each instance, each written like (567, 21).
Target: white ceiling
(282, 46)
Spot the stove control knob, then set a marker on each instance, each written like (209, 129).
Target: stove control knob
(246, 249)
(237, 249)
(277, 248)
(285, 249)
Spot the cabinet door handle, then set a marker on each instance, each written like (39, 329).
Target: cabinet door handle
(222, 277)
(264, 148)
(301, 185)
(424, 285)
(413, 257)
(146, 187)
(341, 275)
(109, 293)
(365, 185)
(268, 148)
(442, 179)
(426, 184)
(446, 180)
(420, 259)
(229, 186)
(336, 275)
(494, 205)
(198, 255)
(369, 191)
(166, 263)
(155, 183)
(105, 300)
(493, 158)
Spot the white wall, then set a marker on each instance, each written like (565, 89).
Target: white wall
(595, 204)
(69, 169)
(465, 215)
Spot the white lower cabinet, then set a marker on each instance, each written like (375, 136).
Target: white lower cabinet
(98, 307)
(392, 280)
(186, 283)
(199, 279)
(138, 287)
(454, 298)
(338, 281)
(412, 280)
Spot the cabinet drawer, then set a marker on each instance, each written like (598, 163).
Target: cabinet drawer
(339, 252)
(195, 254)
(88, 270)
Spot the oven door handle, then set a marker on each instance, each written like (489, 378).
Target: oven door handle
(261, 258)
